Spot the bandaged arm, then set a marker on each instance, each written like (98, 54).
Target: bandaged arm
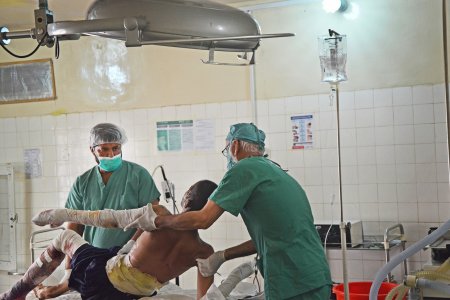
(143, 218)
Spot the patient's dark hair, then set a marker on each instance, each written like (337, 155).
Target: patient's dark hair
(198, 194)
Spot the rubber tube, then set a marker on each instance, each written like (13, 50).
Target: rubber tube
(432, 275)
(435, 285)
(398, 291)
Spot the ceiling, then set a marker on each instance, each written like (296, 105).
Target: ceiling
(19, 14)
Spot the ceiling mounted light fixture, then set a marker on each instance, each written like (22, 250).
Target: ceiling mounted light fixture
(196, 24)
(332, 6)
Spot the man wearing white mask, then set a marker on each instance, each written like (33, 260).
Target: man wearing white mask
(112, 184)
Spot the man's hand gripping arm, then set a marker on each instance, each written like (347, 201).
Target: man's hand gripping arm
(210, 265)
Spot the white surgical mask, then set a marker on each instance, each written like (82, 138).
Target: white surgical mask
(231, 160)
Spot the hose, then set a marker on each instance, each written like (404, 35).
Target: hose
(397, 293)
(435, 285)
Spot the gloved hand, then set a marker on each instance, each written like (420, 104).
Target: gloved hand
(146, 221)
(127, 247)
(210, 265)
(66, 276)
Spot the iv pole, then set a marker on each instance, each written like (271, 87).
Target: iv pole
(334, 78)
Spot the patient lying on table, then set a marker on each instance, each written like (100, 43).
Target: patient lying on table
(156, 257)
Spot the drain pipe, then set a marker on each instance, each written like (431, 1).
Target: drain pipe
(253, 95)
(444, 38)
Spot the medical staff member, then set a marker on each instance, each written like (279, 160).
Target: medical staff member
(113, 183)
(277, 214)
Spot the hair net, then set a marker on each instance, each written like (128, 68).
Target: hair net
(247, 132)
(104, 133)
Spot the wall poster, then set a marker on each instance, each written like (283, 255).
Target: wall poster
(302, 131)
(185, 135)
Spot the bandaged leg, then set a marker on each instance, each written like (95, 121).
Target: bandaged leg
(67, 242)
(46, 263)
(99, 218)
(237, 275)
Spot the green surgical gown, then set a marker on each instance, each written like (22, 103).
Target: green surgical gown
(278, 217)
(130, 186)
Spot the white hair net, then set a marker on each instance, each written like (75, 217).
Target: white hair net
(104, 133)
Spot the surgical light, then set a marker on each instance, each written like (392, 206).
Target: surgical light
(196, 24)
(332, 6)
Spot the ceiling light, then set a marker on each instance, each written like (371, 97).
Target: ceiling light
(332, 6)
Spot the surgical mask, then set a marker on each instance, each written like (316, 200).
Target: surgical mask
(110, 164)
(231, 161)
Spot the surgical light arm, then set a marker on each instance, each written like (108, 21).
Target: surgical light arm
(151, 23)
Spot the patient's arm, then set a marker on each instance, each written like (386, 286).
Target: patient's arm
(203, 284)
(48, 292)
(131, 218)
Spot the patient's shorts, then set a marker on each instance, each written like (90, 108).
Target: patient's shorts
(89, 275)
(126, 278)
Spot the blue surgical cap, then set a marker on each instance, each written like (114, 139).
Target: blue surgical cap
(247, 132)
(105, 133)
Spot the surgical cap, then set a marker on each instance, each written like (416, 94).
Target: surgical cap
(247, 132)
(105, 133)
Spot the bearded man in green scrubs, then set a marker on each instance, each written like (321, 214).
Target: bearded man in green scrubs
(278, 217)
(112, 184)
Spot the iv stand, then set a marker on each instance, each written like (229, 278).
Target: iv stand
(334, 84)
(342, 225)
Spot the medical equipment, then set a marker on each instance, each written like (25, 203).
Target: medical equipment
(413, 282)
(333, 58)
(330, 231)
(168, 189)
(187, 24)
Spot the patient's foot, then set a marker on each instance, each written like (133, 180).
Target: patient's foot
(54, 217)
(7, 296)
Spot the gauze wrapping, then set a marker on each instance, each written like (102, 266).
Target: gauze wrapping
(130, 218)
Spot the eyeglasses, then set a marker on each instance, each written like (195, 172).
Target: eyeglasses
(105, 149)
(225, 150)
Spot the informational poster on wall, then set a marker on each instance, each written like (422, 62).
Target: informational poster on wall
(33, 166)
(302, 131)
(185, 135)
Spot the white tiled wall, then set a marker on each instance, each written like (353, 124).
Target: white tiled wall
(393, 148)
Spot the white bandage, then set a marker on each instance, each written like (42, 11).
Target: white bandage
(68, 241)
(237, 275)
(127, 247)
(66, 276)
(47, 256)
(131, 218)
(39, 262)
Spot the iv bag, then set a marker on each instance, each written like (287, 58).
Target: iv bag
(333, 57)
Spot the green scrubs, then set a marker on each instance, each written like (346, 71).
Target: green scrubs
(130, 186)
(278, 217)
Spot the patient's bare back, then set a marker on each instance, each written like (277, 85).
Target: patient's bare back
(166, 254)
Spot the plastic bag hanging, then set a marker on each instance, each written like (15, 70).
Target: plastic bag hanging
(333, 57)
